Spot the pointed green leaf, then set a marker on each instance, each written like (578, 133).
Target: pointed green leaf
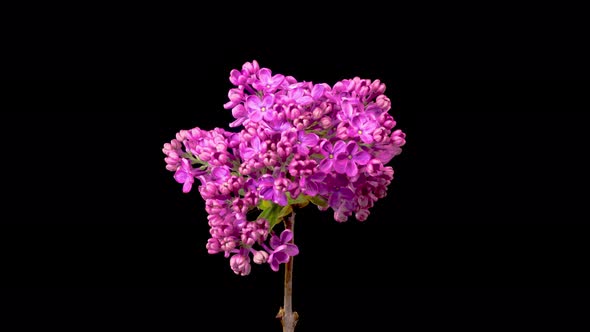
(285, 211)
(319, 201)
(301, 200)
(272, 215)
(264, 204)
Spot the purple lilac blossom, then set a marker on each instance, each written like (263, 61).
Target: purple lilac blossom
(295, 140)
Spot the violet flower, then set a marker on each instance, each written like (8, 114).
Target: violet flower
(266, 82)
(362, 126)
(186, 174)
(273, 190)
(347, 160)
(330, 153)
(305, 142)
(259, 108)
(282, 250)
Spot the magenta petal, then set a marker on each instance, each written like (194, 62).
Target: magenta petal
(274, 242)
(351, 169)
(237, 123)
(180, 176)
(339, 147)
(305, 100)
(280, 198)
(220, 173)
(340, 165)
(362, 158)
(266, 192)
(268, 101)
(286, 236)
(370, 126)
(351, 147)
(311, 188)
(187, 185)
(264, 74)
(277, 80)
(326, 165)
(310, 139)
(234, 76)
(297, 93)
(239, 111)
(281, 256)
(356, 122)
(317, 91)
(326, 147)
(255, 116)
(253, 103)
(255, 143)
(291, 250)
(367, 138)
(274, 265)
(247, 153)
(347, 108)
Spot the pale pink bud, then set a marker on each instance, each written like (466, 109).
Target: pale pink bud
(362, 215)
(260, 257)
(383, 102)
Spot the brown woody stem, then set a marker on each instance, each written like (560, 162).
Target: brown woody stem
(288, 317)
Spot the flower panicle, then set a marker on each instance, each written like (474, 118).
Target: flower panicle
(299, 142)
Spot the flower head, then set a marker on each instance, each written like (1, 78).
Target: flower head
(299, 142)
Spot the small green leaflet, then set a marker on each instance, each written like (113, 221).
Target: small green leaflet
(275, 213)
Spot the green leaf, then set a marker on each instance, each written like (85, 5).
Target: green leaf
(300, 201)
(319, 201)
(264, 204)
(285, 211)
(317, 156)
(272, 214)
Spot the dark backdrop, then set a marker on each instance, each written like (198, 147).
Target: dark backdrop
(483, 226)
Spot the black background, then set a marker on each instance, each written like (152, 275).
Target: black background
(484, 226)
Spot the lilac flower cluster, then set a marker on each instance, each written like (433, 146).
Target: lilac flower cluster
(301, 142)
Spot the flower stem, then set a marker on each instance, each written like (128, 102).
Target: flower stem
(288, 317)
